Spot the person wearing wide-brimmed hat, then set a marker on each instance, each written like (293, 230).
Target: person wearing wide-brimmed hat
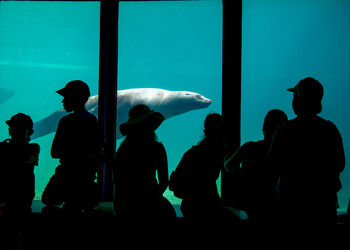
(307, 153)
(139, 159)
(76, 145)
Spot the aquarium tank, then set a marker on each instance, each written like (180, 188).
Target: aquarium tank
(170, 45)
(286, 41)
(43, 45)
(175, 46)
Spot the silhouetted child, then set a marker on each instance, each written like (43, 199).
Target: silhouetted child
(255, 184)
(18, 158)
(195, 177)
(76, 145)
(307, 153)
(139, 159)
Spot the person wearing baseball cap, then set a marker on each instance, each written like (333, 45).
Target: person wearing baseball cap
(308, 94)
(307, 154)
(76, 144)
(18, 159)
(75, 95)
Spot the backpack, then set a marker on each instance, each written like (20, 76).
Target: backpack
(177, 182)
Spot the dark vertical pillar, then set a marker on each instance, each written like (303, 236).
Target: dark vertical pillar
(231, 80)
(107, 92)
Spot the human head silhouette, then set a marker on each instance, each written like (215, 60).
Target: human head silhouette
(307, 96)
(273, 119)
(214, 127)
(141, 119)
(20, 127)
(75, 95)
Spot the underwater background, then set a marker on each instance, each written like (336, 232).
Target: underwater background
(167, 45)
(176, 45)
(284, 41)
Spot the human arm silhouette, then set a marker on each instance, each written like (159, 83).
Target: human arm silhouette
(57, 144)
(162, 170)
(33, 158)
(232, 163)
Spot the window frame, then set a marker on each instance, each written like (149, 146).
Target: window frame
(108, 71)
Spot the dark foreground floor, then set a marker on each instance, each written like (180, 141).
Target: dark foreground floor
(104, 230)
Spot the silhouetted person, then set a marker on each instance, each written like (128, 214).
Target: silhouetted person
(255, 183)
(307, 153)
(76, 145)
(199, 170)
(18, 158)
(139, 159)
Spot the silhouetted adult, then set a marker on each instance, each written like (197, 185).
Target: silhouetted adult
(198, 171)
(18, 158)
(307, 153)
(139, 160)
(255, 184)
(76, 145)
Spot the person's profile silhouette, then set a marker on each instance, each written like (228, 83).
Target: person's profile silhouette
(76, 145)
(307, 154)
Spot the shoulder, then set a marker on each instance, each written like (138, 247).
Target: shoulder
(328, 123)
(196, 151)
(81, 115)
(247, 145)
(330, 128)
(66, 119)
(85, 117)
(4, 144)
(251, 149)
(288, 127)
(193, 149)
(159, 146)
(289, 124)
(189, 152)
(257, 145)
(34, 146)
(90, 116)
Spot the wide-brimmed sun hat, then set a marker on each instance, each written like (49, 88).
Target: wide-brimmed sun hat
(20, 120)
(141, 114)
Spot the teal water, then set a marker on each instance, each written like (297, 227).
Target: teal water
(169, 45)
(43, 45)
(176, 46)
(285, 41)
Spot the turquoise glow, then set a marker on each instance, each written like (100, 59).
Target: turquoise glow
(174, 46)
(169, 45)
(285, 41)
(43, 45)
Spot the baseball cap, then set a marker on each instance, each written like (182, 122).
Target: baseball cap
(308, 89)
(75, 88)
